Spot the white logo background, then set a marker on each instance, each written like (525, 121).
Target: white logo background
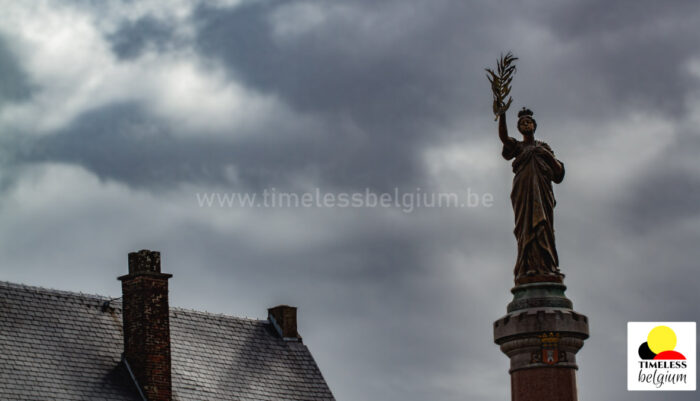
(637, 333)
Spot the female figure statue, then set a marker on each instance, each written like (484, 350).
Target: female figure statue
(535, 169)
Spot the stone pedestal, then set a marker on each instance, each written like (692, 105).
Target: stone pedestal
(541, 335)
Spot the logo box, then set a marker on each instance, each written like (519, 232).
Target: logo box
(661, 356)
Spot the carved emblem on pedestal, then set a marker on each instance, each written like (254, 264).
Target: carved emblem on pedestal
(549, 350)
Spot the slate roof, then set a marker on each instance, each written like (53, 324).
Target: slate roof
(61, 345)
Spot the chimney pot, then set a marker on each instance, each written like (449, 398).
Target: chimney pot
(284, 319)
(144, 261)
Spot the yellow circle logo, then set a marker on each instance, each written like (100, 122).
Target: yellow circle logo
(660, 345)
(661, 338)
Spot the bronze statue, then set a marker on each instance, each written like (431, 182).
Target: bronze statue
(535, 169)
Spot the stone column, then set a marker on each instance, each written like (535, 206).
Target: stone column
(541, 334)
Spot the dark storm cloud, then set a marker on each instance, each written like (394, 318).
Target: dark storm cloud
(638, 50)
(375, 107)
(120, 142)
(380, 97)
(666, 191)
(133, 37)
(572, 18)
(663, 197)
(396, 92)
(367, 72)
(14, 83)
(124, 143)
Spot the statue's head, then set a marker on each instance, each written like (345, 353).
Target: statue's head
(526, 124)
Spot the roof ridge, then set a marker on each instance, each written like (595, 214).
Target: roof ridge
(53, 291)
(117, 300)
(214, 314)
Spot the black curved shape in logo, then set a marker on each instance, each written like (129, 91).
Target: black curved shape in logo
(645, 352)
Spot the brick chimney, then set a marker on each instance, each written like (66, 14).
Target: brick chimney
(284, 320)
(147, 324)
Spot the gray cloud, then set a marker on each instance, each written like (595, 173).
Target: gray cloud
(14, 83)
(133, 37)
(662, 198)
(637, 50)
(121, 142)
(384, 82)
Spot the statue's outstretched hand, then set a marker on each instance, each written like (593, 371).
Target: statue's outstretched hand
(499, 108)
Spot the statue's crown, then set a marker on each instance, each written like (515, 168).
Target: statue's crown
(525, 112)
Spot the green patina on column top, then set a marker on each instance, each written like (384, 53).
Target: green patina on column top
(539, 295)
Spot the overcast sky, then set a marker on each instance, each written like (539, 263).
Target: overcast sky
(115, 115)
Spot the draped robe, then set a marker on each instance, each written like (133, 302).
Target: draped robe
(533, 205)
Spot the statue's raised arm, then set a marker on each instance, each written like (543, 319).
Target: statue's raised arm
(503, 129)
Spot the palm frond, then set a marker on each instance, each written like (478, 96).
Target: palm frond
(501, 80)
